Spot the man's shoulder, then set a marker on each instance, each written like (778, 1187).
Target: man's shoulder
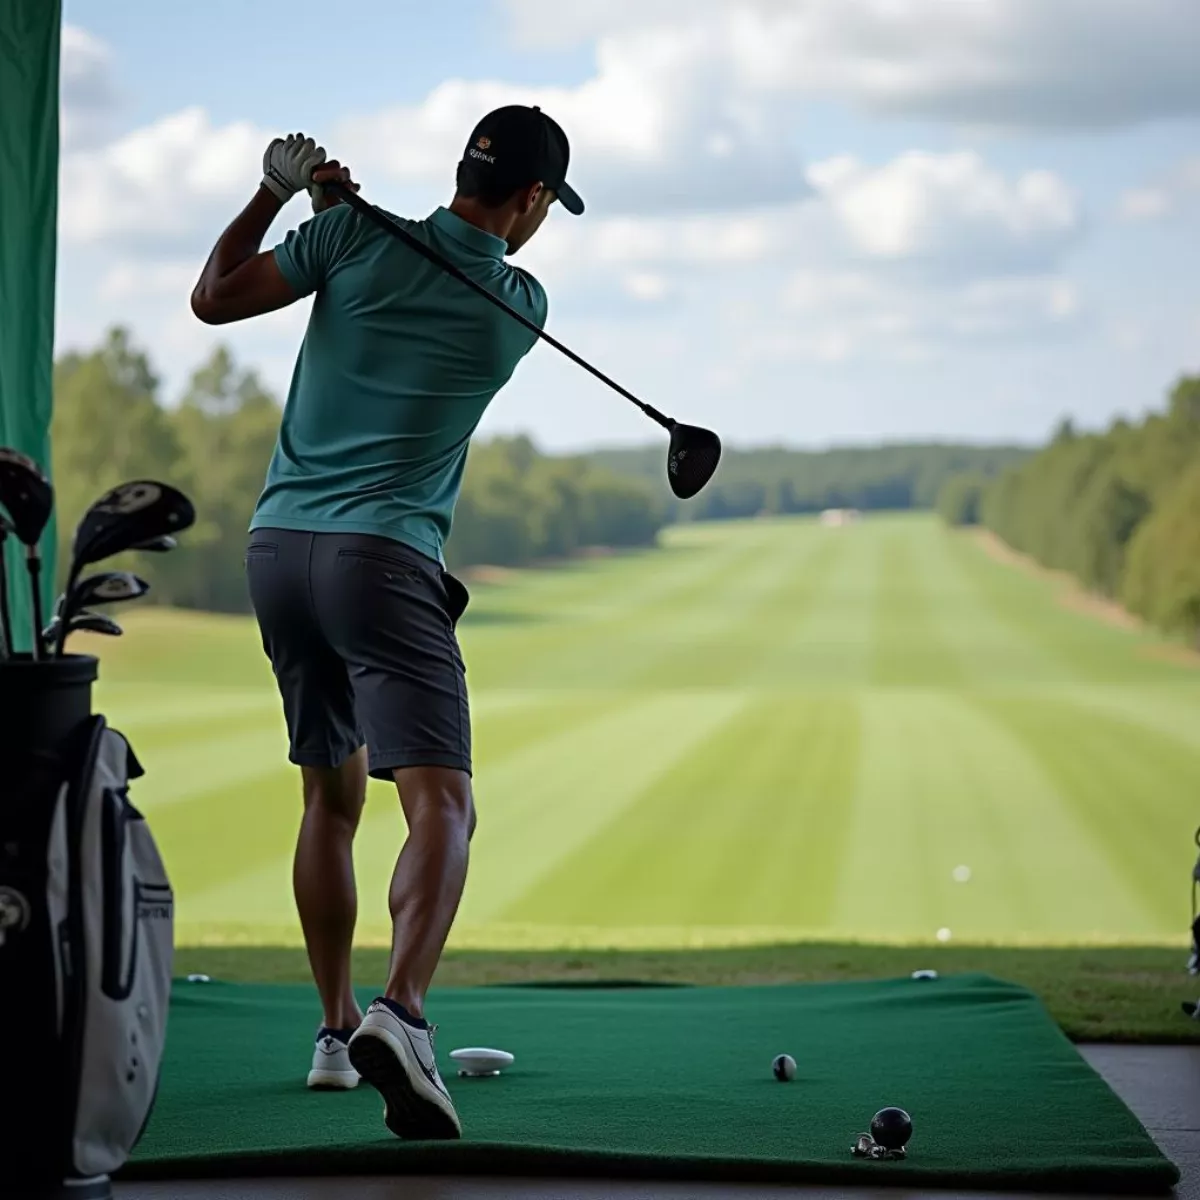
(531, 291)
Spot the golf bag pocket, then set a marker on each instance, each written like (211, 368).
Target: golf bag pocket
(116, 956)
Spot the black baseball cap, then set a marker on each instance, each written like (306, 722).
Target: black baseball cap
(519, 145)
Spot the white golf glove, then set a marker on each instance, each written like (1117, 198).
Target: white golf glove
(288, 165)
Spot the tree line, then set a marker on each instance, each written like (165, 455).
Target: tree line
(111, 424)
(1118, 509)
(778, 480)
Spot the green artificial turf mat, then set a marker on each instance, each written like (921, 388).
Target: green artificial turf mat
(667, 1083)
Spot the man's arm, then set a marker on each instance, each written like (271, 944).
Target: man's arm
(241, 280)
(238, 281)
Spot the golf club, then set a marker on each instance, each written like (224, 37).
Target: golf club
(26, 493)
(109, 587)
(693, 453)
(6, 527)
(158, 545)
(85, 622)
(128, 516)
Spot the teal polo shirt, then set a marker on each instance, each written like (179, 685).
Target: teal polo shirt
(398, 364)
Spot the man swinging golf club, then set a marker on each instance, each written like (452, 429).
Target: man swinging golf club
(345, 558)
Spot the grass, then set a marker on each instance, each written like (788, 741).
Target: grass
(1124, 994)
(765, 733)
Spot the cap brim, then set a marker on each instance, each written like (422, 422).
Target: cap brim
(568, 197)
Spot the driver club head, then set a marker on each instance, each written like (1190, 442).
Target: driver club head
(108, 587)
(82, 622)
(692, 458)
(158, 545)
(129, 516)
(27, 495)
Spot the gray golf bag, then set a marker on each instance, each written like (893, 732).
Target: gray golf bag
(1194, 960)
(86, 940)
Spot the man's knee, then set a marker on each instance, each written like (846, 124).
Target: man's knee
(437, 793)
(340, 792)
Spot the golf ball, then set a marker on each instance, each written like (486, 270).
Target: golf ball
(962, 874)
(784, 1068)
(924, 974)
(944, 935)
(891, 1127)
(199, 979)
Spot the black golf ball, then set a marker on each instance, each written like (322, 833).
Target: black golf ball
(891, 1127)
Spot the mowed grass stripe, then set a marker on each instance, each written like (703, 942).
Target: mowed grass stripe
(991, 647)
(1133, 789)
(599, 641)
(138, 708)
(732, 637)
(748, 828)
(942, 785)
(824, 641)
(911, 610)
(236, 789)
(542, 804)
(1088, 649)
(1172, 710)
(536, 805)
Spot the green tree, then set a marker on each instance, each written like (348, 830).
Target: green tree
(1162, 583)
(961, 498)
(107, 428)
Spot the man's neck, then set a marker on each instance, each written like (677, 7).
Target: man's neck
(496, 221)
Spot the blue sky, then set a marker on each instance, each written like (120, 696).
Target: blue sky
(920, 221)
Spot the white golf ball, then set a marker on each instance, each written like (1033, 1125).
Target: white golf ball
(944, 935)
(784, 1068)
(924, 974)
(962, 874)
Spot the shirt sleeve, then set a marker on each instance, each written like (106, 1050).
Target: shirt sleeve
(308, 254)
(534, 296)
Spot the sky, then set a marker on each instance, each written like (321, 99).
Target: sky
(809, 222)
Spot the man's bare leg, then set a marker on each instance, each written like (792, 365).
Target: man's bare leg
(429, 878)
(323, 881)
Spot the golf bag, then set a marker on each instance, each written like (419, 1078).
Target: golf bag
(86, 953)
(1194, 961)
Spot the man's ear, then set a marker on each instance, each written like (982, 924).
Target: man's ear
(531, 198)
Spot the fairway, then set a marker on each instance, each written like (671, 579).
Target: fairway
(764, 731)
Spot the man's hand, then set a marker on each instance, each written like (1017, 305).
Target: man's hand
(288, 165)
(330, 172)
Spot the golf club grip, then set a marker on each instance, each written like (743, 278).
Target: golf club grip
(385, 222)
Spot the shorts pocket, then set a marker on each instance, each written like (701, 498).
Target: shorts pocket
(261, 552)
(395, 566)
(457, 596)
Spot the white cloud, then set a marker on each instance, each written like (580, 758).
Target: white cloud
(1177, 188)
(162, 185)
(654, 129)
(950, 207)
(88, 91)
(1082, 63)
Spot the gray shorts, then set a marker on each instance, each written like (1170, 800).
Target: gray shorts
(360, 631)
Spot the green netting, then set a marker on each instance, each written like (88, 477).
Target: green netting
(29, 54)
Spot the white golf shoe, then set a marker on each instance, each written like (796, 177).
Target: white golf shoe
(331, 1069)
(397, 1059)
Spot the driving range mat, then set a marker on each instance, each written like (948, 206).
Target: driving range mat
(666, 1083)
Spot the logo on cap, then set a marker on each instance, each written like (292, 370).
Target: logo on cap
(484, 143)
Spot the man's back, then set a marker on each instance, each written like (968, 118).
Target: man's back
(397, 367)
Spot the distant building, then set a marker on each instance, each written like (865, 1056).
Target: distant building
(840, 516)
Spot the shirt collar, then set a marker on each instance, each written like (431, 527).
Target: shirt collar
(470, 235)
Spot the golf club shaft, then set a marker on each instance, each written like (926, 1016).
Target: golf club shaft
(34, 564)
(72, 579)
(5, 614)
(385, 222)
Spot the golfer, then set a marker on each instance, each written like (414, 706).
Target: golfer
(345, 561)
